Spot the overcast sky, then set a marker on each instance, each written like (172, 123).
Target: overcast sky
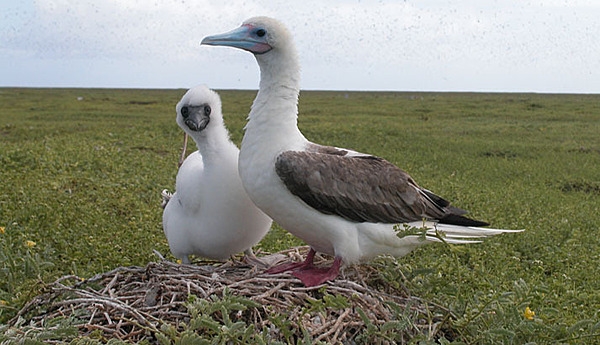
(426, 45)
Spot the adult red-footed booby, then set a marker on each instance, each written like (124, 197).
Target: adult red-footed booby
(210, 214)
(340, 202)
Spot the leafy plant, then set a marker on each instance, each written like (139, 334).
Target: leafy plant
(217, 320)
(23, 265)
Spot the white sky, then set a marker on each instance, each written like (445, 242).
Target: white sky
(426, 45)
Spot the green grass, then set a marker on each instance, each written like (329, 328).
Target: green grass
(82, 179)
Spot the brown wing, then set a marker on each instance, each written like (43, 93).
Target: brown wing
(362, 189)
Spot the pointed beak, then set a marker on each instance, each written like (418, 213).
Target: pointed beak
(195, 118)
(197, 124)
(244, 37)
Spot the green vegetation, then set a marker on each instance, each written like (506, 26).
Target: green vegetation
(82, 170)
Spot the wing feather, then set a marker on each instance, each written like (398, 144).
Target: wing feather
(362, 188)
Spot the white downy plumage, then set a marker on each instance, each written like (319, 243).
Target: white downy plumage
(210, 214)
(340, 202)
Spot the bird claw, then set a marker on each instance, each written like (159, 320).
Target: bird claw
(308, 274)
(263, 261)
(293, 266)
(166, 196)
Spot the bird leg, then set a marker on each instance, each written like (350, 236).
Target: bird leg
(292, 266)
(313, 276)
(185, 260)
(251, 259)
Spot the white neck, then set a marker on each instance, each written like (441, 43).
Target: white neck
(214, 143)
(274, 112)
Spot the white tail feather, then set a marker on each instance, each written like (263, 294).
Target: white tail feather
(457, 234)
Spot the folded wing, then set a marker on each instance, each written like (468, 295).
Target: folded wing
(362, 188)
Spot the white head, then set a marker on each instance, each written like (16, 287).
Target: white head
(270, 42)
(199, 110)
(258, 35)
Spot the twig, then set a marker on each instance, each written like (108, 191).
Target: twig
(130, 303)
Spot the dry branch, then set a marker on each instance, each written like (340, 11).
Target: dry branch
(131, 303)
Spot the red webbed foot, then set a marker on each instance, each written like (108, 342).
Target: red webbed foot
(314, 276)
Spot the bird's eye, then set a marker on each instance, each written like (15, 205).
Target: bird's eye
(261, 32)
(207, 110)
(185, 111)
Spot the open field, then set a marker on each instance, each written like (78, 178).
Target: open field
(81, 172)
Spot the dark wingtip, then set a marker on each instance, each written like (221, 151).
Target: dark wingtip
(455, 219)
(454, 215)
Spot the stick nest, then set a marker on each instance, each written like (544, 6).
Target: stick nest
(135, 303)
